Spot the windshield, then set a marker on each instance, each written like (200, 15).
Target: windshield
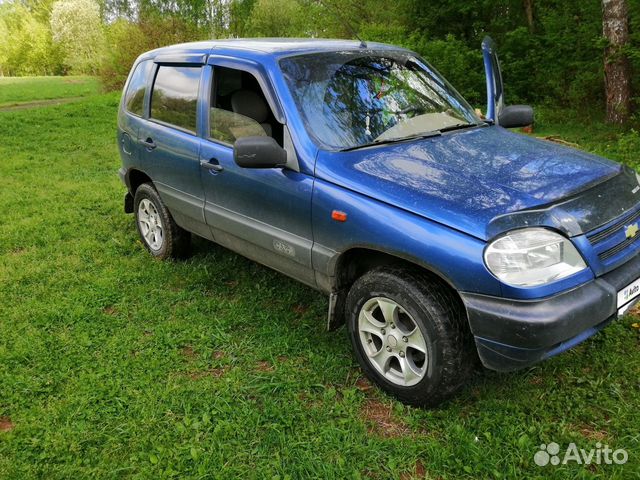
(356, 98)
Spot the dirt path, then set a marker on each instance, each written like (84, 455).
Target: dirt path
(7, 107)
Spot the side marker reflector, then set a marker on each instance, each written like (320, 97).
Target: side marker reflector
(339, 216)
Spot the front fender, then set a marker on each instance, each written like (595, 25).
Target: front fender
(453, 255)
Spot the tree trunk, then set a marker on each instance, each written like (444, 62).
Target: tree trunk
(528, 10)
(617, 72)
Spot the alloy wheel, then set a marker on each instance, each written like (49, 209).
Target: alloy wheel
(150, 224)
(392, 341)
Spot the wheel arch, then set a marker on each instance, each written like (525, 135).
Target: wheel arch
(346, 266)
(134, 178)
(349, 265)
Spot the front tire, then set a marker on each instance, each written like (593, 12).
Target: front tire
(409, 334)
(159, 233)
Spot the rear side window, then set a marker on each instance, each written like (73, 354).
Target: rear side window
(175, 96)
(134, 97)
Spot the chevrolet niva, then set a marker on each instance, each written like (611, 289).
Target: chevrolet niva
(357, 169)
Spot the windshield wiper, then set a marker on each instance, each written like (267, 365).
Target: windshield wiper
(375, 143)
(434, 133)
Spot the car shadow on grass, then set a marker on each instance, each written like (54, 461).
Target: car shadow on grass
(304, 319)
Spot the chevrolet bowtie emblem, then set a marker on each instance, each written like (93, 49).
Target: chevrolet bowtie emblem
(631, 230)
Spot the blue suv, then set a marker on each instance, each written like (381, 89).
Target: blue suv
(356, 168)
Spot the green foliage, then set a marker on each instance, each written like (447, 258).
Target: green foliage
(76, 27)
(239, 12)
(4, 44)
(277, 18)
(556, 59)
(26, 47)
(113, 365)
(460, 64)
(588, 130)
(127, 40)
(571, 55)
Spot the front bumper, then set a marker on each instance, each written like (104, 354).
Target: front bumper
(513, 334)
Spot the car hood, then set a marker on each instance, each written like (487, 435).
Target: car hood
(468, 178)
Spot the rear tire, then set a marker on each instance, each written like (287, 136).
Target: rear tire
(159, 233)
(409, 334)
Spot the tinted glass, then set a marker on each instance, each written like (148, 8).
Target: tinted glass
(228, 126)
(134, 97)
(175, 96)
(348, 99)
(231, 119)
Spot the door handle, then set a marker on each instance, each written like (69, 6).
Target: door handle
(213, 165)
(149, 143)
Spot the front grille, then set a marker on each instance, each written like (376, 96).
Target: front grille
(613, 229)
(618, 248)
(612, 239)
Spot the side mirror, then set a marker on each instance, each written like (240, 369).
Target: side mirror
(515, 116)
(259, 152)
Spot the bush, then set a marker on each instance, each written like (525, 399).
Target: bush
(26, 46)
(277, 18)
(127, 40)
(459, 64)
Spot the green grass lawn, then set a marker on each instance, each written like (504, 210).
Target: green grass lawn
(114, 365)
(17, 90)
(589, 132)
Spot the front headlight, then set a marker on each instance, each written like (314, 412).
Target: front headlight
(532, 256)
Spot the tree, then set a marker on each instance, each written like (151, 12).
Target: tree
(239, 12)
(528, 10)
(277, 18)
(4, 45)
(617, 71)
(26, 47)
(77, 27)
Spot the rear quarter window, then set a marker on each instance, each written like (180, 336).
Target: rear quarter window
(134, 96)
(175, 96)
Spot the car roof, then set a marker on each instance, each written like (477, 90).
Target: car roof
(247, 47)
